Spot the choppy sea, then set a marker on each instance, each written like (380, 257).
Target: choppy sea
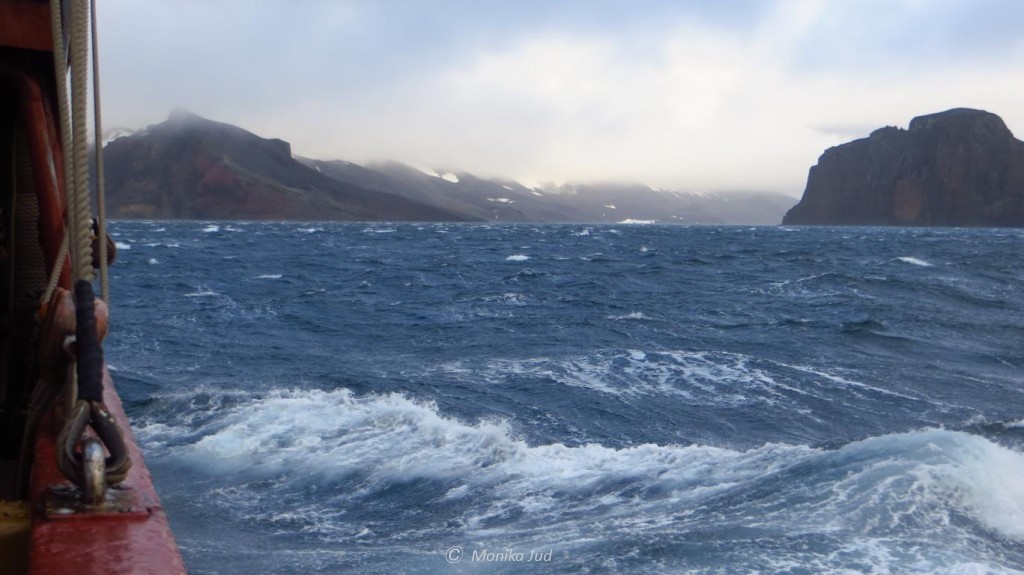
(404, 398)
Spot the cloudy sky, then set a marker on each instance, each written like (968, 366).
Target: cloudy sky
(697, 95)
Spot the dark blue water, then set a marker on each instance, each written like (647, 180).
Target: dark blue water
(608, 399)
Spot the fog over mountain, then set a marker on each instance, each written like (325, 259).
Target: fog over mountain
(189, 167)
(192, 167)
(677, 94)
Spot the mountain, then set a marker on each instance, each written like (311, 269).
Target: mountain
(616, 202)
(111, 134)
(961, 167)
(509, 201)
(489, 200)
(193, 168)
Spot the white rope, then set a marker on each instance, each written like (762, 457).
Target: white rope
(58, 267)
(81, 244)
(101, 200)
(73, 116)
(60, 65)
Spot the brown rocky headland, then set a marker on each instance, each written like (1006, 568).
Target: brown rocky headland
(961, 167)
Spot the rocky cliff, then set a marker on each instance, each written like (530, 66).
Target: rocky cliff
(193, 168)
(961, 167)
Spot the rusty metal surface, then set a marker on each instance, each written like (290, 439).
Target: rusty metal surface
(25, 24)
(65, 502)
(47, 160)
(131, 535)
(15, 524)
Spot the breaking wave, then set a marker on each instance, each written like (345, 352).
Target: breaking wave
(921, 501)
(915, 261)
(731, 400)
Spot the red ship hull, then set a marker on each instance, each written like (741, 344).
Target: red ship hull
(44, 527)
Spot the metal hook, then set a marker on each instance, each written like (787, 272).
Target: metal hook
(94, 472)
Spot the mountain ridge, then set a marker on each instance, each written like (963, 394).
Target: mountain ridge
(189, 167)
(193, 168)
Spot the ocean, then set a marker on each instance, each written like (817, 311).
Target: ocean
(456, 398)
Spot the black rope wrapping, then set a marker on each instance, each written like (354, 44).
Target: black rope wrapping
(87, 342)
(89, 408)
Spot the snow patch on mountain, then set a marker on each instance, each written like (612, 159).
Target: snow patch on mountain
(116, 133)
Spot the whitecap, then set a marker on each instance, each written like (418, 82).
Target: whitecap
(511, 298)
(860, 503)
(211, 228)
(947, 470)
(153, 261)
(841, 381)
(914, 261)
(517, 258)
(122, 246)
(636, 315)
(702, 378)
(202, 293)
(394, 438)
(269, 277)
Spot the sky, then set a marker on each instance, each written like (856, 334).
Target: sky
(678, 94)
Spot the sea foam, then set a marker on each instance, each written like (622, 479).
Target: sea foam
(863, 497)
(914, 261)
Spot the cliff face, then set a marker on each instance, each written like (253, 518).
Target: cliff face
(193, 168)
(961, 167)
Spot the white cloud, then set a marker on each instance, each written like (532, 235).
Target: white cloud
(706, 110)
(679, 105)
